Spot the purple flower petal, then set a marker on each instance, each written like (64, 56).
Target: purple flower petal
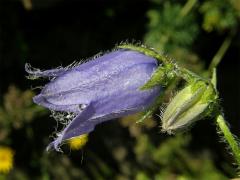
(102, 89)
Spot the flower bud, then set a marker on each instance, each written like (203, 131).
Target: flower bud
(192, 103)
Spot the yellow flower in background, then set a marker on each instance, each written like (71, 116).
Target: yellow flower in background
(78, 142)
(6, 159)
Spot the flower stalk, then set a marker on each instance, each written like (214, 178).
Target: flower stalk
(229, 137)
(220, 121)
(221, 52)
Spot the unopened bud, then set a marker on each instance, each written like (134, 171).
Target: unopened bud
(192, 103)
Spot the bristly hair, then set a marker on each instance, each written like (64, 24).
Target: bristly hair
(33, 72)
(63, 118)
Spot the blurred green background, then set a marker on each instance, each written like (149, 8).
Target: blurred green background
(50, 33)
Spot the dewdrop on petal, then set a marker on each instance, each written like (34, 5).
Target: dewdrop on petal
(197, 100)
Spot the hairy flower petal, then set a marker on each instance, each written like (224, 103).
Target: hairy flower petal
(102, 89)
(48, 73)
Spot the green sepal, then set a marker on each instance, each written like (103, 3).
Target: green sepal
(145, 116)
(162, 76)
(149, 112)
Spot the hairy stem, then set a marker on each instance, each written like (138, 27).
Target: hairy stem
(229, 137)
(224, 129)
(220, 53)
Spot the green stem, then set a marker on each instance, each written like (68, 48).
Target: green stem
(187, 7)
(228, 136)
(224, 129)
(187, 75)
(147, 51)
(214, 78)
(220, 53)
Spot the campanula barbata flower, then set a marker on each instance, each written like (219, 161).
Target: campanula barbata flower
(101, 89)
